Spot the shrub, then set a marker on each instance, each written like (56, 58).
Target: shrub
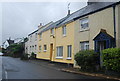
(87, 60)
(33, 56)
(24, 57)
(111, 59)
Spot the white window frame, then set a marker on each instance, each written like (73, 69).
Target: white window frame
(83, 22)
(35, 36)
(64, 30)
(40, 48)
(59, 53)
(35, 47)
(85, 44)
(45, 48)
(52, 31)
(30, 38)
(69, 52)
(40, 35)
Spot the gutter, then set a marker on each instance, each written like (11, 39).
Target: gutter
(114, 21)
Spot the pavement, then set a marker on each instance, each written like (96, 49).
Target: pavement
(14, 68)
(70, 69)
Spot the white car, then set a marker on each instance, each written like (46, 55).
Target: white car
(1, 54)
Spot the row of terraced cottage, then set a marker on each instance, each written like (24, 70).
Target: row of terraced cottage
(96, 26)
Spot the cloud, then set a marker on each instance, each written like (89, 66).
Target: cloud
(21, 18)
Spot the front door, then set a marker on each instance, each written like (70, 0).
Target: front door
(102, 46)
(51, 51)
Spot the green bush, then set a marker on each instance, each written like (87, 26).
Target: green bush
(87, 60)
(15, 50)
(111, 59)
(24, 57)
(33, 56)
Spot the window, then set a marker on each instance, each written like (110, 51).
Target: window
(69, 51)
(35, 36)
(40, 48)
(30, 38)
(84, 45)
(84, 23)
(52, 31)
(35, 47)
(59, 52)
(40, 36)
(30, 48)
(45, 48)
(64, 31)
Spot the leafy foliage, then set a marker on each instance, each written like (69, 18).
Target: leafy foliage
(87, 60)
(24, 57)
(15, 50)
(111, 59)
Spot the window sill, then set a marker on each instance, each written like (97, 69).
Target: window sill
(59, 57)
(45, 50)
(52, 35)
(82, 30)
(64, 35)
(69, 58)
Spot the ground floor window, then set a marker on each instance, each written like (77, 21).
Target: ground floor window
(40, 48)
(69, 51)
(60, 51)
(84, 45)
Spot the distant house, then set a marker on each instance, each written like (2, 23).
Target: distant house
(18, 40)
(7, 43)
(32, 43)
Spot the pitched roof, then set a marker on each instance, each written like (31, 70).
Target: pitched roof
(10, 41)
(81, 13)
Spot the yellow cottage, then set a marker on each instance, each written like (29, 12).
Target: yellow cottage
(96, 26)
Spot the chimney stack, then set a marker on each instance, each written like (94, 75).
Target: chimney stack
(68, 9)
(68, 12)
(40, 25)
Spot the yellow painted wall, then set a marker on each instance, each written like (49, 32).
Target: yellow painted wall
(44, 41)
(97, 21)
(60, 40)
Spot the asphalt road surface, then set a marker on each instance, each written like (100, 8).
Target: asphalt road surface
(14, 68)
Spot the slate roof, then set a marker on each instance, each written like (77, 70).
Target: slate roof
(81, 13)
(33, 32)
(10, 41)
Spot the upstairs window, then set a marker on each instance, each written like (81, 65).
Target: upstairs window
(40, 36)
(64, 31)
(35, 47)
(84, 23)
(45, 48)
(30, 38)
(52, 31)
(35, 36)
(84, 45)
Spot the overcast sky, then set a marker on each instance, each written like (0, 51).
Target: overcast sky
(21, 18)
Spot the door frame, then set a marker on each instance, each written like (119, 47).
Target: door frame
(51, 51)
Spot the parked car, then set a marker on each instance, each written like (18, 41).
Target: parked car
(1, 54)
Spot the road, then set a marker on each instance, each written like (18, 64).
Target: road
(14, 68)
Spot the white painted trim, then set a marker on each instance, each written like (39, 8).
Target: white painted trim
(59, 57)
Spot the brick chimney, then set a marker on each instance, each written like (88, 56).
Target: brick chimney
(40, 25)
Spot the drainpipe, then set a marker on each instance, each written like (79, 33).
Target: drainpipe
(114, 19)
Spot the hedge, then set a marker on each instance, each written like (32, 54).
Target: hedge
(87, 60)
(111, 59)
